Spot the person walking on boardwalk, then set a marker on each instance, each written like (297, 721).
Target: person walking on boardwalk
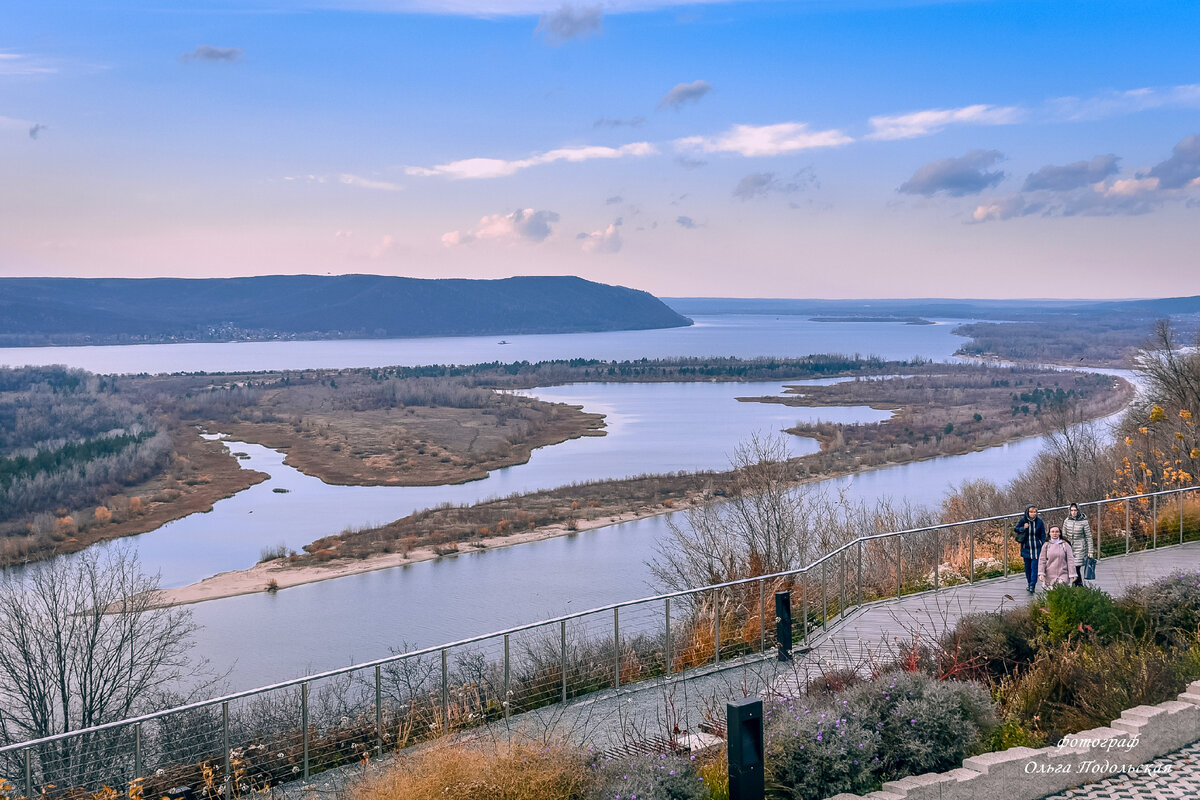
(1030, 531)
(1056, 560)
(1078, 533)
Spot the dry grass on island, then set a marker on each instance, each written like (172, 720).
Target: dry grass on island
(960, 409)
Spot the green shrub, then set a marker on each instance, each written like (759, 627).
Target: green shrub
(1012, 733)
(1083, 683)
(649, 777)
(813, 752)
(1072, 610)
(925, 725)
(988, 646)
(1171, 607)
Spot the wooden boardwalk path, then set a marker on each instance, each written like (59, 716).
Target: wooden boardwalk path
(875, 633)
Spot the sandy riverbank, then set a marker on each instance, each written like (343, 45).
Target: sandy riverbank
(257, 578)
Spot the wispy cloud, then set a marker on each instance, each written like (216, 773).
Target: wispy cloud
(764, 140)
(1071, 176)
(683, 93)
(761, 184)
(608, 122)
(368, 183)
(476, 168)
(213, 55)
(1094, 188)
(22, 65)
(522, 225)
(686, 222)
(956, 177)
(13, 124)
(570, 22)
(1132, 101)
(925, 123)
(35, 130)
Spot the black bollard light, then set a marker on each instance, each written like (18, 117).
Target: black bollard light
(744, 721)
(783, 624)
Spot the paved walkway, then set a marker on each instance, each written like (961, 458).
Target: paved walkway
(875, 633)
(677, 707)
(1173, 776)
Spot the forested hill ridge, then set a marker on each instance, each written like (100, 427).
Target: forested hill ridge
(38, 311)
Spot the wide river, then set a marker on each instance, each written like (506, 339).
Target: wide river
(651, 428)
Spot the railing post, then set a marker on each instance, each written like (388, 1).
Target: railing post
(899, 579)
(842, 594)
(971, 553)
(824, 597)
(617, 647)
(1099, 525)
(507, 702)
(1181, 517)
(1154, 528)
(137, 750)
(303, 724)
(860, 569)
(562, 642)
(225, 749)
(667, 615)
(937, 559)
(1005, 535)
(716, 626)
(804, 603)
(28, 773)
(445, 692)
(1128, 526)
(378, 710)
(762, 615)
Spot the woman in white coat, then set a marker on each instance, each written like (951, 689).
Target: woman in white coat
(1057, 560)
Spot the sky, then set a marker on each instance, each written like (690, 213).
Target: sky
(819, 148)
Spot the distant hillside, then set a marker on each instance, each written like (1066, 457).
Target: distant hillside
(1015, 310)
(36, 311)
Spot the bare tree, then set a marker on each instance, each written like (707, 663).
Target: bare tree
(1171, 372)
(81, 644)
(758, 528)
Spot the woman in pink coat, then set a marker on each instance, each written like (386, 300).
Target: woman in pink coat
(1056, 561)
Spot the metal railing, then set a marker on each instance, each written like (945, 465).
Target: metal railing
(293, 729)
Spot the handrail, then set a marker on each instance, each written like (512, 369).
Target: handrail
(293, 682)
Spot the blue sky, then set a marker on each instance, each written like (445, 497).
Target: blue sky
(806, 149)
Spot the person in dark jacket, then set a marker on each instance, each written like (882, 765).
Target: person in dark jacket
(1030, 531)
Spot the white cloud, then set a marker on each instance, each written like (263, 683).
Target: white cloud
(606, 240)
(930, 121)
(1132, 101)
(367, 183)
(1002, 208)
(19, 64)
(382, 249)
(523, 224)
(764, 140)
(475, 168)
(1127, 187)
(12, 124)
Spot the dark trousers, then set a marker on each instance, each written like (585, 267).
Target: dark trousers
(1031, 569)
(1079, 576)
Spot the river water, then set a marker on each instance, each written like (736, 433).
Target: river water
(651, 428)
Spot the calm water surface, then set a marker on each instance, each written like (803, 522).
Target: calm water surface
(651, 428)
(744, 336)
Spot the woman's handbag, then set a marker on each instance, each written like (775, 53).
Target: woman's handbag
(1089, 568)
